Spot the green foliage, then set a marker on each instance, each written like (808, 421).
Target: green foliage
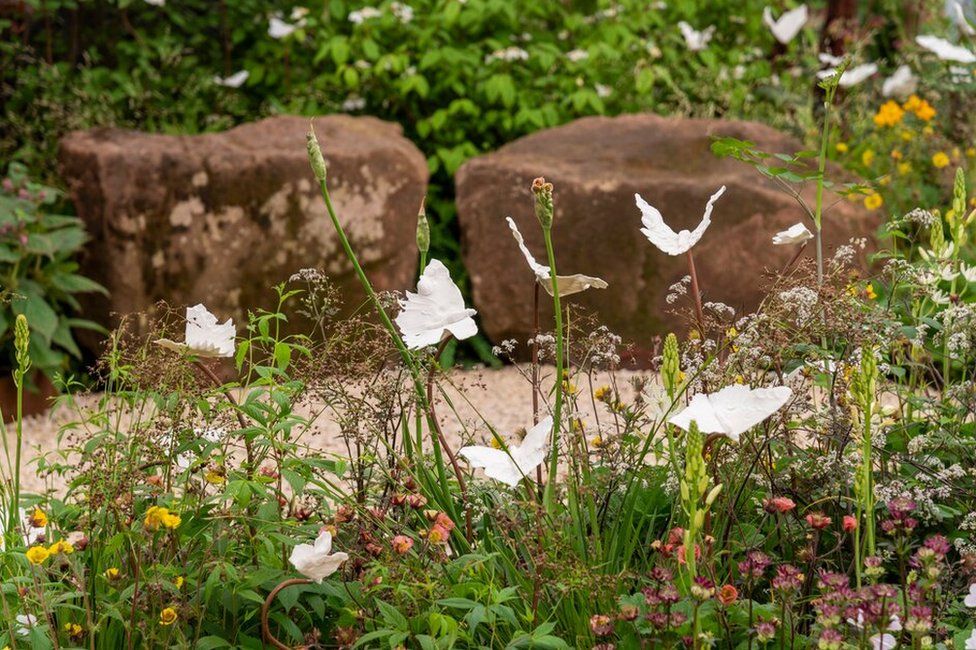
(39, 275)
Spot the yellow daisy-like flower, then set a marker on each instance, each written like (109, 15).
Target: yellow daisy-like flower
(37, 518)
(112, 573)
(869, 292)
(904, 168)
(596, 442)
(841, 147)
(940, 160)
(928, 130)
(37, 554)
(925, 111)
(178, 582)
(602, 393)
(61, 546)
(215, 477)
(171, 521)
(873, 201)
(867, 157)
(739, 379)
(495, 443)
(907, 135)
(971, 152)
(157, 516)
(889, 114)
(168, 616)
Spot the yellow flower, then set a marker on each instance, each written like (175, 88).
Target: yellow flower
(73, 629)
(925, 111)
(739, 379)
(873, 201)
(596, 442)
(867, 157)
(889, 114)
(681, 376)
(37, 554)
(112, 573)
(884, 180)
(971, 152)
(928, 130)
(851, 290)
(214, 477)
(841, 147)
(940, 160)
(602, 393)
(896, 154)
(178, 582)
(956, 153)
(904, 168)
(495, 443)
(157, 516)
(60, 547)
(38, 519)
(907, 135)
(869, 292)
(167, 616)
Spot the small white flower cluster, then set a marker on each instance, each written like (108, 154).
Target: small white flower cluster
(720, 309)
(546, 344)
(403, 12)
(511, 53)
(801, 302)
(921, 217)
(353, 103)
(678, 289)
(603, 347)
(312, 276)
(360, 16)
(505, 349)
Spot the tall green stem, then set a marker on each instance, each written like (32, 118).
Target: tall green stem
(558, 405)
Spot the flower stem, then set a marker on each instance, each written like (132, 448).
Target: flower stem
(558, 405)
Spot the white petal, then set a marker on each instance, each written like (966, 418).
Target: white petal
(945, 50)
(436, 308)
(662, 236)
(795, 234)
(789, 24)
(900, 84)
(732, 410)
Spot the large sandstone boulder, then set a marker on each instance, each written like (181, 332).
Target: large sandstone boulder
(596, 165)
(221, 218)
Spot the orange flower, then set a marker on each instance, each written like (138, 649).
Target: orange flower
(728, 594)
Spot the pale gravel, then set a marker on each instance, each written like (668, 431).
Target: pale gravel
(501, 396)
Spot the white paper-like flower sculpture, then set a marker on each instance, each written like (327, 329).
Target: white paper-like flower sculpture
(567, 284)
(235, 80)
(788, 25)
(946, 50)
(204, 336)
(900, 84)
(511, 466)
(669, 241)
(317, 561)
(733, 410)
(957, 14)
(795, 234)
(851, 76)
(696, 40)
(436, 308)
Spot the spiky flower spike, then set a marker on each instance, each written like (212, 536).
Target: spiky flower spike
(543, 202)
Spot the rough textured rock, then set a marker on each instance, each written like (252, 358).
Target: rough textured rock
(596, 165)
(221, 218)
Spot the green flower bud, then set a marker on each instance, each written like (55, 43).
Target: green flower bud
(21, 345)
(671, 366)
(423, 229)
(315, 157)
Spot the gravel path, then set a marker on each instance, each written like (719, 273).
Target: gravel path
(501, 396)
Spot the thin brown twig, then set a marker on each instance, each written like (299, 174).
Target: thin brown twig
(266, 607)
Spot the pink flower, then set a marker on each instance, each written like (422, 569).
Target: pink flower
(402, 544)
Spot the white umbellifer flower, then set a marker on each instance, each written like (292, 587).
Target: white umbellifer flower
(795, 234)
(403, 13)
(25, 622)
(694, 39)
(362, 15)
(235, 80)
(970, 600)
(946, 50)
(512, 465)
(957, 15)
(577, 55)
(971, 641)
(437, 308)
(317, 561)
(666, 239)
(278, 28)
(353, 103)
(603, 91)
(205, 337)
(511, 53)
(567, 284)
(732, 410)
(830, 60)
(851, 76)
(901, 83)
(789, 24)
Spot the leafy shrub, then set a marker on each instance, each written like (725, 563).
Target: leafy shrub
(40, 278)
